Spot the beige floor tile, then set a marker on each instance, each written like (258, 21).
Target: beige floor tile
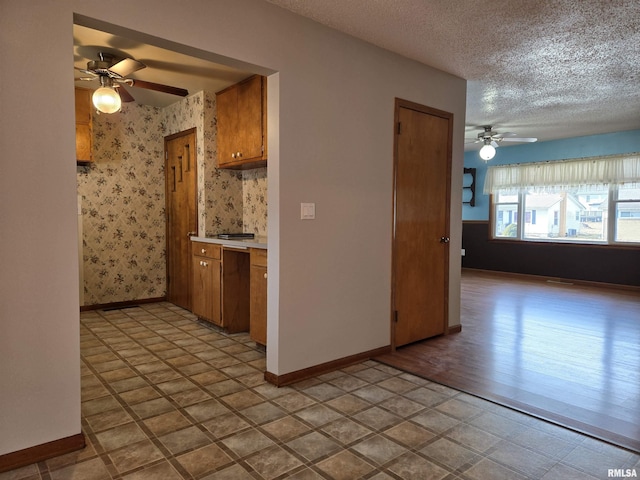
(185, 439)
(93, 469)
(109, 419)
(346, 431)
(379, 450)
(409, 434)
(450, 454)
(313, 446)
(273, 462)
(135, 455)
(413, 467)
(120, 436)
(204, 460)
(166, 423)
(285, 428)
(247, 442)
(486, 468)
(345, 466)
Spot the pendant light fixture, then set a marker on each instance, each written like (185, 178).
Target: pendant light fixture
(106, 99)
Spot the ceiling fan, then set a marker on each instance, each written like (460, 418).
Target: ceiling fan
(112, 75)
(491, 141)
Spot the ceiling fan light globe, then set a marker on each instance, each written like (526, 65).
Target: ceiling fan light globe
(487, 152)
(106, 100)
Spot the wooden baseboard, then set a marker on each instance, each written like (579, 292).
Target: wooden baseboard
(529, 276)
(116, 305)
(454, 329)
(38, 453)
(293, 377)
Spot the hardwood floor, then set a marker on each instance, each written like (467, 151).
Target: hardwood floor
(566, 353)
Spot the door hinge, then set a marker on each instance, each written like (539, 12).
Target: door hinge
(399, 129)
(166, 155)
(395, 316)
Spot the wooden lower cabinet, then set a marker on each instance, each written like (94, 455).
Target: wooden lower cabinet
(206, 294)
(221, 285)
(258, 302)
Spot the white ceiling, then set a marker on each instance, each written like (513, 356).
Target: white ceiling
(546, 68)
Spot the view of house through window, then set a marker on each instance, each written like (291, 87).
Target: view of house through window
(606, 214)
(585, 200)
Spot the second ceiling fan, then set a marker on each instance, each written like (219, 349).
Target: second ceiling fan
(112, 75)
(491, 140)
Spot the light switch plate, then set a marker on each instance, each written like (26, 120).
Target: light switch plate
(307, 211)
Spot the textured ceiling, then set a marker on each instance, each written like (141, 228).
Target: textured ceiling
(541, 68)
(545, 68)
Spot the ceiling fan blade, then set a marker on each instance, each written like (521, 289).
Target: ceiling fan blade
(87, 72)
(124, 95)
(126, 67)
(159, 87)
(504, 135)
(520, 139)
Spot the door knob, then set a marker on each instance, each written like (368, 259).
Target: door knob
(444, 239)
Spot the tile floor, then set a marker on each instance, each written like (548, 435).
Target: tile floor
(165, 397)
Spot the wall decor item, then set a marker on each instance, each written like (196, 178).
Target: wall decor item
(469, 187)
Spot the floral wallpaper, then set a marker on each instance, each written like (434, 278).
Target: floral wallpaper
(123, 207)
(254, 203)
(122, 197)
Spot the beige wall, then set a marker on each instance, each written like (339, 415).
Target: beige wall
(329, 289)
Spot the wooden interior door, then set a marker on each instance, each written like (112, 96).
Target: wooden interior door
(181, 213)
(422, 174)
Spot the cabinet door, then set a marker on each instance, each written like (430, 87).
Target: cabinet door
(227, 136)
(205, 301)
(83, 124)
(83, 143)
(258, 306)
(250, 118)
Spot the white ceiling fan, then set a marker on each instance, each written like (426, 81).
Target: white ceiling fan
(491, 140)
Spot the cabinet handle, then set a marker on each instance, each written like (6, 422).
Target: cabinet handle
(233, 155)
(203, 264)
(265, 275)
(191, 234)
(203, 251)
(239, 154)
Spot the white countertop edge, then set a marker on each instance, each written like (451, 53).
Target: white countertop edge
(257, 242)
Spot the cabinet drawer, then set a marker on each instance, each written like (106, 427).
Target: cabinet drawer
(203, 249)
(258, 257)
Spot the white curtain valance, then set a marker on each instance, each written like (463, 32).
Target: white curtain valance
(564, 174)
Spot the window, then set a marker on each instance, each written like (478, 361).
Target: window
(627, 214)
(567, 201)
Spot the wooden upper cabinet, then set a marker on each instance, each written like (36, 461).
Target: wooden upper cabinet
(242, 124)
(83, 126)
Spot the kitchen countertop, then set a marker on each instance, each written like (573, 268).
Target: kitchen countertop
(259, 241)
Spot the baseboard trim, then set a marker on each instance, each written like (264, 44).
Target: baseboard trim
(38, 453)
(116, 305)
(454, 329)
(309, 372)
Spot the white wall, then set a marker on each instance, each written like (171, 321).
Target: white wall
(329, 280)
